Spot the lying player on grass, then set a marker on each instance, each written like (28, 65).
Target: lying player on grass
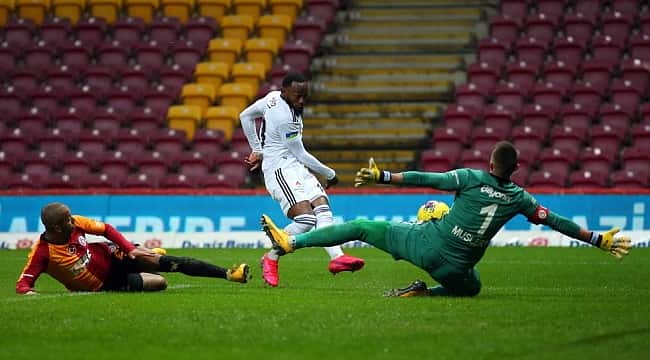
(63, 252)
(450, 248)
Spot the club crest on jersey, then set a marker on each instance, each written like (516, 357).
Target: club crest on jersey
(82, 240)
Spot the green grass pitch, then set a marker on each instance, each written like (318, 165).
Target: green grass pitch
(536, 303)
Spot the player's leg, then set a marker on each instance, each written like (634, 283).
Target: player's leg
(191, 267)
(338, 260)
(295, 205)
(147, 282)
(454, 282)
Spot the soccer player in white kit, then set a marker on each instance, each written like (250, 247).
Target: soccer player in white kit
(285, 164)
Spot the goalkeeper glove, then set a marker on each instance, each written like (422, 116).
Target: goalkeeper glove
(618, 246)
(371, 174)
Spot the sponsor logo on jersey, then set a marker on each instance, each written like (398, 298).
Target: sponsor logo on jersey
(489, 190)
(292, 135)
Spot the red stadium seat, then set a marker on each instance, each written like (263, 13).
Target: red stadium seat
(54, 143)
(145, 120)
(516, 9)
(546, 178)
(128, 31)
(116, 165)
(46, 98)
(617, 25)
(298, 54)
(538, 117)
(322, 9)
(154, 164)
(169, 142)
(629, 179)
(55, 31)
(523, 75)
(636, 73)
(541, 27)
(475, 159)
(606, 138)
(498, 116)
(91, 31)
(493, 51)
(99, 78)
(510, 97)
(38, 165)
(548, 96)
(179, 181)
(69, 121)
(607, 50)
(23, 181)
(136, 78)
(586, 94)
(458, 116)
(130, 142)
(194, 164)
(174, 77)
(122, 99)
(63, 78)
(450, 140)
(107, 120)
(641, 136)
(504, 28)
(569, 50)
(484, 138)
(19, 32)
(560, 74)
(15, 144)
(200, 30)
(588, 178)
(639, 47)
(165, 30)
(554, 9)
(142, 181)
(33, 121)
(76, 164)
(150, 55)
(577, 116)
(568, 138)
(623, 93)
(629, 8)
(309, 29)
(644, 23)
(75, 54)
(596, 159)
(616, 116)
(208, 142)
(579, 26)
(438, 161)
(114, 54)
(483, 75)
(25, 80)
(160, 98)
(40, 55)
(597, 73)
(589, 8)
(470, 96)
(92, 143)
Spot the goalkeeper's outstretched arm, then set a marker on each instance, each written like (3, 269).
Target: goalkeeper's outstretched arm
(618, 246)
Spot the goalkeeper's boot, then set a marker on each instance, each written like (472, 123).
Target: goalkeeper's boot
(159, 251)
(416, 288)
(270, 270)
(279, 238)
(345, 263)
(238, 273)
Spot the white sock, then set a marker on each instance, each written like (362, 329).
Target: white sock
(325, 218)
(301, 224)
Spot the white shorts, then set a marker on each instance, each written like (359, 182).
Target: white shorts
(291, 185)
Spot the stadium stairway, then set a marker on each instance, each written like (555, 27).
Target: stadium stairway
(385, 77)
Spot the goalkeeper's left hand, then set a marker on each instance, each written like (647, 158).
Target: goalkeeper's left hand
(371, 174)
(618, 246)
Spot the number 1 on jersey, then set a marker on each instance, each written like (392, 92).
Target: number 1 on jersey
(490, 210)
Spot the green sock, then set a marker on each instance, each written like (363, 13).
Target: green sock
(370, 232)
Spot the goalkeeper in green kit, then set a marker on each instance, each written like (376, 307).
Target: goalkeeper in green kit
(448, 249)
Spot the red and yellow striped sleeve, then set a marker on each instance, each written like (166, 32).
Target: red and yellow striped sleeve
(36, 264)
(95, 227)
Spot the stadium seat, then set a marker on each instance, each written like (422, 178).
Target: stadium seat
(165, 31)
(237, 26)
(639, 47)
(475, 159)
(458, 116)
(99, 78)
(179, 181)
(46, 98)
(84, 99)
(113, 54)
(186, 54)
(587, 93)
(153, 164)
(145, 120)
(180, 9)
(208, 142)
(641, 136)
(498, 116)
(19, 32)
(200, 30)
(606, 138)
(185, 117)
(578, 115)
(63, 78)
(116, 165)
(252, 8)
(130, 142)
(505, 29)
(629, 179)
(606, 50)
(201, 95)
(69, 121)
(578, 26)
(298, 54)
(70, 9)
(215, 73)
(567, 138)
(136, 78)
(644, 23)
(522, 75)
(55, 31)
(224, 50)
(546, 178)
(93, 143)
(251, 73)
(160, 98)
(470, 96)
(261, 50)
(142, 9)
(9, 57)
(636, 73)
(91, 31)
(223, 119)
(122, 99)
(493, 51)
(483, 75)
(169, 142)
(510, 97)
(39, 164)
(560, 74)
(484, 138)
(25, 80)
(23, 181)
(541, 27)
(102, 180)
(553, 9)
(174, 77)
(548, 95)
(597, 159)
(33, 121)
(323, 9)
(616, 116)
(589, 8)
(309, 29)
(438, 161)
(150, 55)
(450, 140)
(616, 25)
(34, 10)
(107, 120)
(274, 26)
(569, 50)
(107, 9)
(623, 93)
(530, 51)
(588, 178)
(290, 8)
(7, 165)
(629, 8)
(15, 144)
(514, 8)
(128, 31)
(215, 9)
(76, 164)
(75, 54)
(141, 181)
(236, 95)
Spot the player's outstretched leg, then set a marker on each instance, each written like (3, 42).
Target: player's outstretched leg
(195, 267)
(345, 263)
(279, 238)
(416, 288)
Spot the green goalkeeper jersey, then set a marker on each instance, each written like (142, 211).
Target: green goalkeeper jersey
(483, 204)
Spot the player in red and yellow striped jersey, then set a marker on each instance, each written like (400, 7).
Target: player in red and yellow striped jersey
(63, 252)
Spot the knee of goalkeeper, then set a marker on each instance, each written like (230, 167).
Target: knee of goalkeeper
(432, 210)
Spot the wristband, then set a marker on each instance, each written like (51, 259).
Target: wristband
(384, 177)
(596, 239)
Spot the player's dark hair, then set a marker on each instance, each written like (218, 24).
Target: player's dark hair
(293, 77)
(504, 156)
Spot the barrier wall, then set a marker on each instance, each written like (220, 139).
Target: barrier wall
(233, 220)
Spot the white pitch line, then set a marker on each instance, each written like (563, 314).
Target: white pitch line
(70, 294)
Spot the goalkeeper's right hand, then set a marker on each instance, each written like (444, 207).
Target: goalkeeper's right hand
(618, 246)
(371, 174)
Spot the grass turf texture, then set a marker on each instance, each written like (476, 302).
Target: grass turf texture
(536, 303)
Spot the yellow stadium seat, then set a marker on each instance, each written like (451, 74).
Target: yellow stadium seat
(275, 27)
(184, 117)
(224, 118)
(107, 9)
(35, 10)
(286, 7)
(181, 9)
(250, 73)
(215, 73)
(202, 95)
(6, 8)
(214, 8)
(144, 9)
(261, 50)
(237, 26)
(254, 8)
(71, 9)
(236, 95)
(224, 50)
